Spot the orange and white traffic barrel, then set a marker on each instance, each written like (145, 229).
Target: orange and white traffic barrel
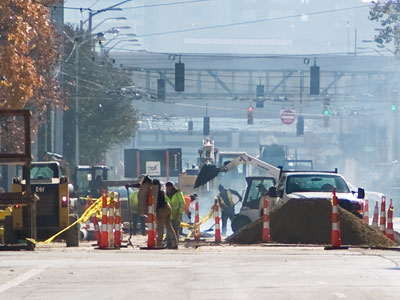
(389, 231)
(110, 221)
(366, 212)
(151, 237)
(104, 229)
(196, 220)
(266, 233)
(118, 221)
(382, 220)
(336, 240)
(217, 226)
(376, 216)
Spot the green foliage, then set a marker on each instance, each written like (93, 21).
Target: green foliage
(387, 13)
(106, 115)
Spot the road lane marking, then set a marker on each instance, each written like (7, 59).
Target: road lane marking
(340, 295)
(21, 278)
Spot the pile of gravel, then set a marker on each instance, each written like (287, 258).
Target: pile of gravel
(308, 221)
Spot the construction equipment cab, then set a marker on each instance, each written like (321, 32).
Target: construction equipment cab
(88, 180)
(53, 207)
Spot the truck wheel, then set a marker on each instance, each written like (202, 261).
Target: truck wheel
(10, 235)
(239, 222)
(72, 235)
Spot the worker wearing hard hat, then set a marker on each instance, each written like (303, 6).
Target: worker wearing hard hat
(227, 205)
(136, 218)
(163, 215)
(133, 205)
(175, 198)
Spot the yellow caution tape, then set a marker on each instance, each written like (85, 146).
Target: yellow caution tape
(197, 226)
(95, 208)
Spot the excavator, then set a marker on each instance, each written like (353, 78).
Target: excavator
(278, 184)
(255, 185)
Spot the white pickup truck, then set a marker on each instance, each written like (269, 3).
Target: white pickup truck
(315, 185)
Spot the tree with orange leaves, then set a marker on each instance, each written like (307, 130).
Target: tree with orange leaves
(29, 54)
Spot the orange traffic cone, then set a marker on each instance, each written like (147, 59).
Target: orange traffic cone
(104, 232)
(196, 221)
(217, 228)
(389, 231)
(382, 220)
(336, 241)
(151, 236)
(366, 212)
(110, 222)
(266, 236)
(376, 216)
(118, 221)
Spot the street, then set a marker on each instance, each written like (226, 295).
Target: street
(206, 272)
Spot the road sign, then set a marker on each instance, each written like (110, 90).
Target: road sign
(288, 116)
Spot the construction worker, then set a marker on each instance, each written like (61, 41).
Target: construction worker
(227, 205)
(133, 205)
(163, 215)
(175, 198)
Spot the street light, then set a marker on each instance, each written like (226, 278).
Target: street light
(119, 36)
(106, 19)
(99, 36)
(119, 42)
(383, 46)
(372, 48)
(112, 7)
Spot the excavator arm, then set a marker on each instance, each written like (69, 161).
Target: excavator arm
(209, 172)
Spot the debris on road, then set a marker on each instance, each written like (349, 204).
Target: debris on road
(308, 221)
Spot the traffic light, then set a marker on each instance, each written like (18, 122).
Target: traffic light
(326, 101)
(300, 126)
(250, 120)
(206, 126)
(325, 110)
(314, 80)
(179, 77)
(326, 121)
(260, 91)
(190, 127)
(160, 89)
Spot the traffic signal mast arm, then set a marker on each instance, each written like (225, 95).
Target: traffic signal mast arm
(248, 159)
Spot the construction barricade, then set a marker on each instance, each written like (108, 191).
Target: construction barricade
(217, 223)
(382, 220)
(376, 216)
(266, 234)
(389, 230)
(151, 236)
(196, 220)
(118, 222)
(366, 212)
(336, 241)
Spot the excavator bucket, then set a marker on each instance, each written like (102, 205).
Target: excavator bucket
(207, 173)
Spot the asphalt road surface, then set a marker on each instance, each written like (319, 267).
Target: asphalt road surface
(205, 272)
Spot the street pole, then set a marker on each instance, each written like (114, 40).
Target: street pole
(77, 105)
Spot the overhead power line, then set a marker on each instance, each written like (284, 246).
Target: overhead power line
(140, 6)
(254, 21)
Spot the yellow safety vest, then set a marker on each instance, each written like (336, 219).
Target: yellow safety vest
(134, 202)
(177, 203)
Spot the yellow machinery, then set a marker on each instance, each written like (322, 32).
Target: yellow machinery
(52, 208)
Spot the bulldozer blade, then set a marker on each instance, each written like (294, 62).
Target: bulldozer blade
(207, 173)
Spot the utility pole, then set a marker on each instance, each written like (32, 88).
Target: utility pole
(77, 104)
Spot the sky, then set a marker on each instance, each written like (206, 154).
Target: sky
(235, 26)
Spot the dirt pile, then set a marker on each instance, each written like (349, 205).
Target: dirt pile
(308, 221)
